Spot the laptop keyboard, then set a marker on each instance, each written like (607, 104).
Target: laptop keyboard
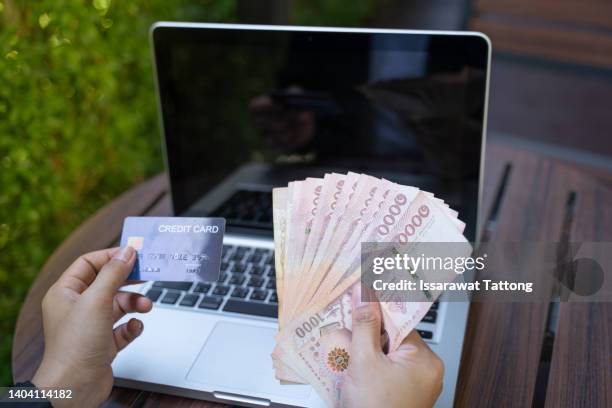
(245, 208)
(246, 285)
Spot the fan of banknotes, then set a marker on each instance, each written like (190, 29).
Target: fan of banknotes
(319, 225)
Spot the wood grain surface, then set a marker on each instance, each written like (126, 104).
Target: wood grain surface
(503, 340)
(596, 13)
(581, 369)
(574, 31)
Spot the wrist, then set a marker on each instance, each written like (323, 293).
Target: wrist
(54, 375)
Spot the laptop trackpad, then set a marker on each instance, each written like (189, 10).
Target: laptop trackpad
(236, 358)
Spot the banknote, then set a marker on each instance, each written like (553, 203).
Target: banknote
(366, 200)
(331, 192)
(300, 217)
(343, 210)
(381, 229)
(322, 235)
(279, 219)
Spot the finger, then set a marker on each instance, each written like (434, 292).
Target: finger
(366, 327)
(412, 347)
(413, 342)
(384, 342)
(129, 302)
(126, 333)
(114, 273)
(83, 271)
(418, 352)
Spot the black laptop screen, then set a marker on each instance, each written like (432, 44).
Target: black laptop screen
(246, 110)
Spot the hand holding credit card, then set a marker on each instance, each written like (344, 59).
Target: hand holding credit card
(174, 248)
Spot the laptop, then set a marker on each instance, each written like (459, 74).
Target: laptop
(246, 108)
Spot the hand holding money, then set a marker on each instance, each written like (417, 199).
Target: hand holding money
(319, 225)
(409, 376)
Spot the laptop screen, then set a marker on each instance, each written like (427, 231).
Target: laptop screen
(245, 110)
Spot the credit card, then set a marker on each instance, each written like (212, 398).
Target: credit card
(175, 248)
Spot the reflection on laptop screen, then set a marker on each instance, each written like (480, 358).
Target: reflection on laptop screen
(243, 113)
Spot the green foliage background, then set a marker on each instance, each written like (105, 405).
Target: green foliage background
(78, 118)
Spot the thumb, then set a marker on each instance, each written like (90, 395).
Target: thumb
(366, 327)
(125, 333)
(114, 273)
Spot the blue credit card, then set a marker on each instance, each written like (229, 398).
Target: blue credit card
(175, 248)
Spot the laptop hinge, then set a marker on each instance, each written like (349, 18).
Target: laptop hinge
(242, 398)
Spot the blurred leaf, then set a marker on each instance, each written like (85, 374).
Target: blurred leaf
(102, 5)
(44, 20)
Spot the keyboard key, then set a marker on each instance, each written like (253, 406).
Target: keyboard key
(238, 268)
(259, 294)
(430, 317)
(273, 297)
(221, 290)
(254, 258)
(257, 270)
(210, 302)
(236, 257)
(202, 287)
(426, 334)
(271, 284)
(271, 273)
(240, 292)
(256, 309)
(236, 280)
(154, 294)
(241, 250)
(226, 250)
(255, 282)
(173, 285)
(189, 300)
(263, 251)
(224, 266)
(170, 298)
(222, 277)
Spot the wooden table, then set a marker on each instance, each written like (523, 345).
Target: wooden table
(503, 343)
